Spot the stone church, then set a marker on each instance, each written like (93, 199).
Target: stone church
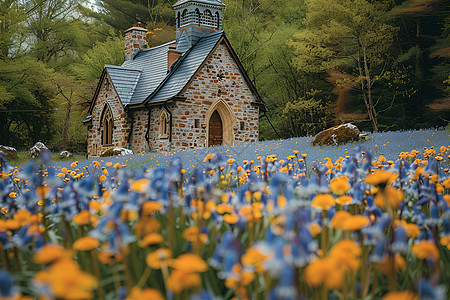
(189, 93)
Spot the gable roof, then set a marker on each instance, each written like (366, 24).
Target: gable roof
(146, 80)
(124, 81)
(185, 68)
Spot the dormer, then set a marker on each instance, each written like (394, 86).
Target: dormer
(195, 18)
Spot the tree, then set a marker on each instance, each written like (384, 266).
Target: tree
(122, 14)
(307, 115)
(349, 36)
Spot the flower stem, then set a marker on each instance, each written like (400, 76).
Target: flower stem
(144, 277)
(101, 293)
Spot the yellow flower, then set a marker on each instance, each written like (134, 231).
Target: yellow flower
(391, 194)
(405, 295)
(315, 229)
(150, 207)
(208, 157)
(353, 223)
(346, 255)
(67, 281)
(445, 241)
(339, 218)
(156, 258)
(151, 239)
(253, 257)
(339, 185)
(425, 249)
(380, 178)
(102, 178)
(82, 218)
(179, 281)
(140, 185)
(412, 230)
(323, 201)
(190, 263)
(324, 271)
(117, 166)
(49, 253)
(193, 234)
(386, 266)
(85, 243)
(223, 208)
(344, 200)
(12, 195)
(231, 218)
(145, 294)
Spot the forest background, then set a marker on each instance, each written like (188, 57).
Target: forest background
(380, 64)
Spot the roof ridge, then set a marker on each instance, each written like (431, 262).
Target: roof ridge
(178, 62)
(122, 68)
(172, 70)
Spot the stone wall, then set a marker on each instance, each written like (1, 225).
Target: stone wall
(138, 144)
(108, 95)
(218, 85)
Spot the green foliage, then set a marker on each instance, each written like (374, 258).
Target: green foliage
(307, 115)
(26, 109)
(122, 14)
(90, 67)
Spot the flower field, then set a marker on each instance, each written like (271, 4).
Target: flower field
(268, 220)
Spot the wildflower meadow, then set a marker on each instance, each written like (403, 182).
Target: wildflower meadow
(268, 220)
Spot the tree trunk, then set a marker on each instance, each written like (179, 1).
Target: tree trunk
(65, 133)
(372, 111)
(363, 91)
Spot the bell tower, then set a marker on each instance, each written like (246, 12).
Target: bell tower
(195, 18)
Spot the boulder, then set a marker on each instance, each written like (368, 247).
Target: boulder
(36, 150)
(364, 137)
(10, 152)
(65, 153)
(336, 135)
(116, 151)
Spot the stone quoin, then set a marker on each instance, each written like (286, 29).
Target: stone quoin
(189, 93)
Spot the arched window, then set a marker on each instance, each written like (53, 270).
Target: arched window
(197, 16)
(107, 126)
(164, 124)
(207, 19)
(184, 18)
(178, 20)
(217, 20)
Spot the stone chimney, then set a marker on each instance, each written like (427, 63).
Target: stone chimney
(135, 39)
(172, 55)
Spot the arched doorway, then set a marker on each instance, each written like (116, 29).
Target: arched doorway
(223, 112)
(215, 137)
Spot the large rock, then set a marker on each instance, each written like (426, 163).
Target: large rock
(336, 135)
(10, 152)
(65, 154)
(116, 151)
(36, 150)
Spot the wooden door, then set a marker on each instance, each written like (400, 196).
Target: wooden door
(215, 130)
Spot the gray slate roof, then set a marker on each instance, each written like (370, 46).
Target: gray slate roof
(124, 81)
(211, 2)
(186, 67)
(146, 76)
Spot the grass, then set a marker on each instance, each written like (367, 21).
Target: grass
(23, 158)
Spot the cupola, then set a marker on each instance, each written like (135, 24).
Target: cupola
(195, 18)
